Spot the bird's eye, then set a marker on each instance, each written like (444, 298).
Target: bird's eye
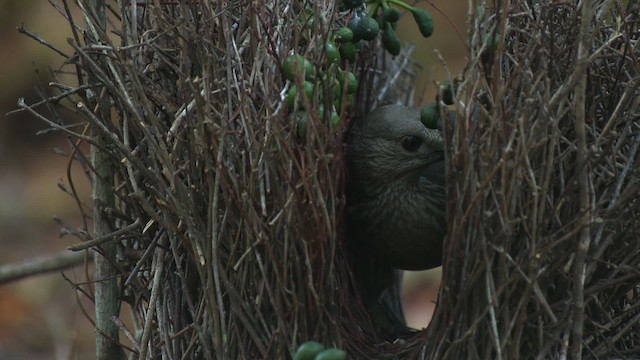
(411, 143)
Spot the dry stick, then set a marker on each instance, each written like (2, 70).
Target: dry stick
(144, 257)
(123, 328)
(53, 99)
(106, 238)
(39, 266)
(42, 41)
(106, 286)
(153, 301)
(583, 183)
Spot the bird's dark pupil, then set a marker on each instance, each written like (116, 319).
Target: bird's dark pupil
(411, 143)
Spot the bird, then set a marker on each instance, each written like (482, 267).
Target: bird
(396, 205)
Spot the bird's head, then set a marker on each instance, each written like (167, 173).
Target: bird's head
(390, 144)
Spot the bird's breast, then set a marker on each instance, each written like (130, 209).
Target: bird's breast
(405, 227)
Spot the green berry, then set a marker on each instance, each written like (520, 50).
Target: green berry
(332, 354)
(424, 21)
(329, 84)
(332, 52)
(353, 25)
(367, 28)
(344, 35)
(292, 94)
(390, 41)
(337, 89)
(352, 82)
(430, 115)
(391, 14)
(348, 51)
(444, 92)
(296, 64)
(348, 102)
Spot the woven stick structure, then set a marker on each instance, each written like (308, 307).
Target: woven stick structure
(544, 245)
(226, 214)
(226, 231)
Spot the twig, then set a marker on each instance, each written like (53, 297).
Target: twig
(42, 41)
(40, 266)
(158, 266)
(109, 237)
(582, 157)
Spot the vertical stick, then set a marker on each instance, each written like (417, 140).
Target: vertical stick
(584, 239)
(106, 285)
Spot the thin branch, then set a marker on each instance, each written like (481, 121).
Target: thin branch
(40, 266)
(109, 237)
(582, 157)
(40, 40)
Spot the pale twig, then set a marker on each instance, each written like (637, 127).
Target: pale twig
(109, 237)
(39, 266)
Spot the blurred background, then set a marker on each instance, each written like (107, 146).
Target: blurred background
(42, 317)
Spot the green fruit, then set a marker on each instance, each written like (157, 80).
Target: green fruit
(352, 82)
(344, 35)
(332, 52)
(348, 51)
(292, 94)
(352, 4)
(424, 21)
(332, 354)
(391, 14)
(337, 89)
(308, 350)
(348, 101)
(306, 19)
(360, 45)
(296, 64)
(367, 28)
(446, 91)
(390, 41)
(353, 25)
(430, 115)
(309, 70)
(329, 85)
